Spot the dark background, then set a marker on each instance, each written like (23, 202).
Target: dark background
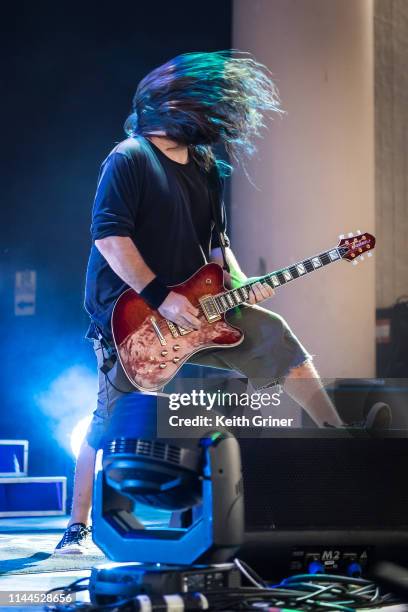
(70, 72)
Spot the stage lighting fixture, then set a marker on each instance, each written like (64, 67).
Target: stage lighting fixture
(199, 478)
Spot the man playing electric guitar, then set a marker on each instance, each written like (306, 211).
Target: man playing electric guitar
(158, 217)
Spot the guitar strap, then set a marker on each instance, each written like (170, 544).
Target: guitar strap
(215, 189)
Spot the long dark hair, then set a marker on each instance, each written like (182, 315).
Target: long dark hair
(205, 99)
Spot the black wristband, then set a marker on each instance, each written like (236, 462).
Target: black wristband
(155, 293)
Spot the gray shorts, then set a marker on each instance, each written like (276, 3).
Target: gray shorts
(269, 351)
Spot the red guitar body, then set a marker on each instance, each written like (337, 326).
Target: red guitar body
(152, 349)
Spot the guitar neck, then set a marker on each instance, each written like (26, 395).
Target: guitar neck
(234, 297)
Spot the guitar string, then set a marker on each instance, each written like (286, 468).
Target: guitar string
(341, 250)
(264, 279)
(163, 326)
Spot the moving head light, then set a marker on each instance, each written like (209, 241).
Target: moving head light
(199, 477)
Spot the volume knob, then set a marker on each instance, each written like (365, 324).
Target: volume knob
(163, 365)
(176, 347)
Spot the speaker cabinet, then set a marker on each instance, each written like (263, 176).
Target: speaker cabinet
(324, 500)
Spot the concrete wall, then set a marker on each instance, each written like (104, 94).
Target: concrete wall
(314, 170)
(391, 151)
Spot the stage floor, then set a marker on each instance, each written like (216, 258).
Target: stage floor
(27, 562)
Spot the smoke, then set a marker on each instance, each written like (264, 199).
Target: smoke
(69, 398)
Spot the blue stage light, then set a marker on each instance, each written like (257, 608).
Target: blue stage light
(68, 401)
(78, 434)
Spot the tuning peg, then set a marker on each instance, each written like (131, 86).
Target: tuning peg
(369, 254)
(361, 257)
(355, 262)
(358, 232)
(341, 236)
(350, 235)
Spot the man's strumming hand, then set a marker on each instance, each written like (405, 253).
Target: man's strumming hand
(179, 310)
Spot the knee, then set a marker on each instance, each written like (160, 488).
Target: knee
(304, 370)
(268, 322)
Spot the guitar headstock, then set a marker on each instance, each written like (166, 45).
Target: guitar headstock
(353, 247)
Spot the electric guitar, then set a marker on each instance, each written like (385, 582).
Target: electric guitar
(152, 349)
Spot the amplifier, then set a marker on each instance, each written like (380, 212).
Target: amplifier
(324, 504)
(392, 340)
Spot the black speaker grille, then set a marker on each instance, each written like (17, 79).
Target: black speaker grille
(325, 483)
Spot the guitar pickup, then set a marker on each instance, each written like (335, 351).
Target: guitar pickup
(176, 330)
(209, 308)
(173, 329)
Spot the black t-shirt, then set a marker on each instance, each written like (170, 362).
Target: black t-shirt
(164, 206)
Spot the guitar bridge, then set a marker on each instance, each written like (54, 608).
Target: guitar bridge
(209, 308)
(156, 328)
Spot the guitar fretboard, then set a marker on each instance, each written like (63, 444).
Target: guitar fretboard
(234, 297)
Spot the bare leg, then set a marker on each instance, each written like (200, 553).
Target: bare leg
(83, 485)
(303, 384)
